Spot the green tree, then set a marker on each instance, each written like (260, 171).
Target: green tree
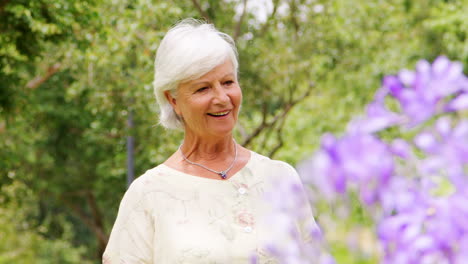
(305, 69)
(27, 27)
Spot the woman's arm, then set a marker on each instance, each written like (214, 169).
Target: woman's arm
(131, 239)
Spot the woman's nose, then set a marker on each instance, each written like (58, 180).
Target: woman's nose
(220, 95)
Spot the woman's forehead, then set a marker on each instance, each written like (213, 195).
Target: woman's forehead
(221, 71)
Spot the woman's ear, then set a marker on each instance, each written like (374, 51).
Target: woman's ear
(172, 100)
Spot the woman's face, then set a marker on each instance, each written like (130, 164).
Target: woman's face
(210, 104)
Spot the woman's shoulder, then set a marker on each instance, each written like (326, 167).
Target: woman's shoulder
(262, 162)
(274, 172)
(153, 177)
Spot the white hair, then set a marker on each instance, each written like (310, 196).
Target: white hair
(188, 51)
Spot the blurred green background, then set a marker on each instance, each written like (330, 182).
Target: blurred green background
(73, 72)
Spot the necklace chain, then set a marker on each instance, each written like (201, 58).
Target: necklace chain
(223, 173)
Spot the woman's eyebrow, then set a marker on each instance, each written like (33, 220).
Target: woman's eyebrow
(207, 82)
(200, 83)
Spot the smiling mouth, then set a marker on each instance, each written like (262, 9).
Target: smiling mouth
(224, 113)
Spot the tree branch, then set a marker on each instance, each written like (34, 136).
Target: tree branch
(293, 7)
(276, 118)
(201, 11)
(270, 17)
(239, 126)
(248, 139)
(97, 217)
(97, 230)
(94, 223)
(237, 30)
(2, 126)
(279, 132)
(38, 80)
(3, 4)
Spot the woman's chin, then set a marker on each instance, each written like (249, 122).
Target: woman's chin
(221, 129)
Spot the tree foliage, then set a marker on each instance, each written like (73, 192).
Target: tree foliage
(27, 27)
(73, 71)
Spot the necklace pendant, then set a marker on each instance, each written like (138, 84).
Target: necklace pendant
(223, 174)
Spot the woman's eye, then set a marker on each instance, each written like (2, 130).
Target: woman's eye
(228, 82)
(201, 89)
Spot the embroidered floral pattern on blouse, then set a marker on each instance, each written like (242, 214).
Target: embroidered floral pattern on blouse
(167, 216)
(245, 218)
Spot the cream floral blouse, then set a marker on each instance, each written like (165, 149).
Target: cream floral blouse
(169, 217)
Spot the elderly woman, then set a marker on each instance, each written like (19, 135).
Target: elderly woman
(205, 203)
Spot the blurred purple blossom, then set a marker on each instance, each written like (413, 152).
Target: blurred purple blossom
(377, 117)
(446, 151)
(418, 183)
(291, 243)
(359, 159)
(434, 231)
(422, 94)
(415, 226)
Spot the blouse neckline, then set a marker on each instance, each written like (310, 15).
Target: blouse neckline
(192, 176)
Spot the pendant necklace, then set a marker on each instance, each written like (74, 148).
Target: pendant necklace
(223, 173)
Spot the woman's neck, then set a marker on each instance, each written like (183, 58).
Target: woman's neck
(208, 149)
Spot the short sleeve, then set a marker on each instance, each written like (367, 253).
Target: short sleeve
(131, 239)
(306, 223)
(287, 196)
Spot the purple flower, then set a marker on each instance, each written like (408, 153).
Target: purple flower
(423, 93)
(459, 103)
(401, 148)
(296, 238)
(446, 149)
(400, 195)
(415, 187)
(361, 159)
(378, 118)
(435, 231)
